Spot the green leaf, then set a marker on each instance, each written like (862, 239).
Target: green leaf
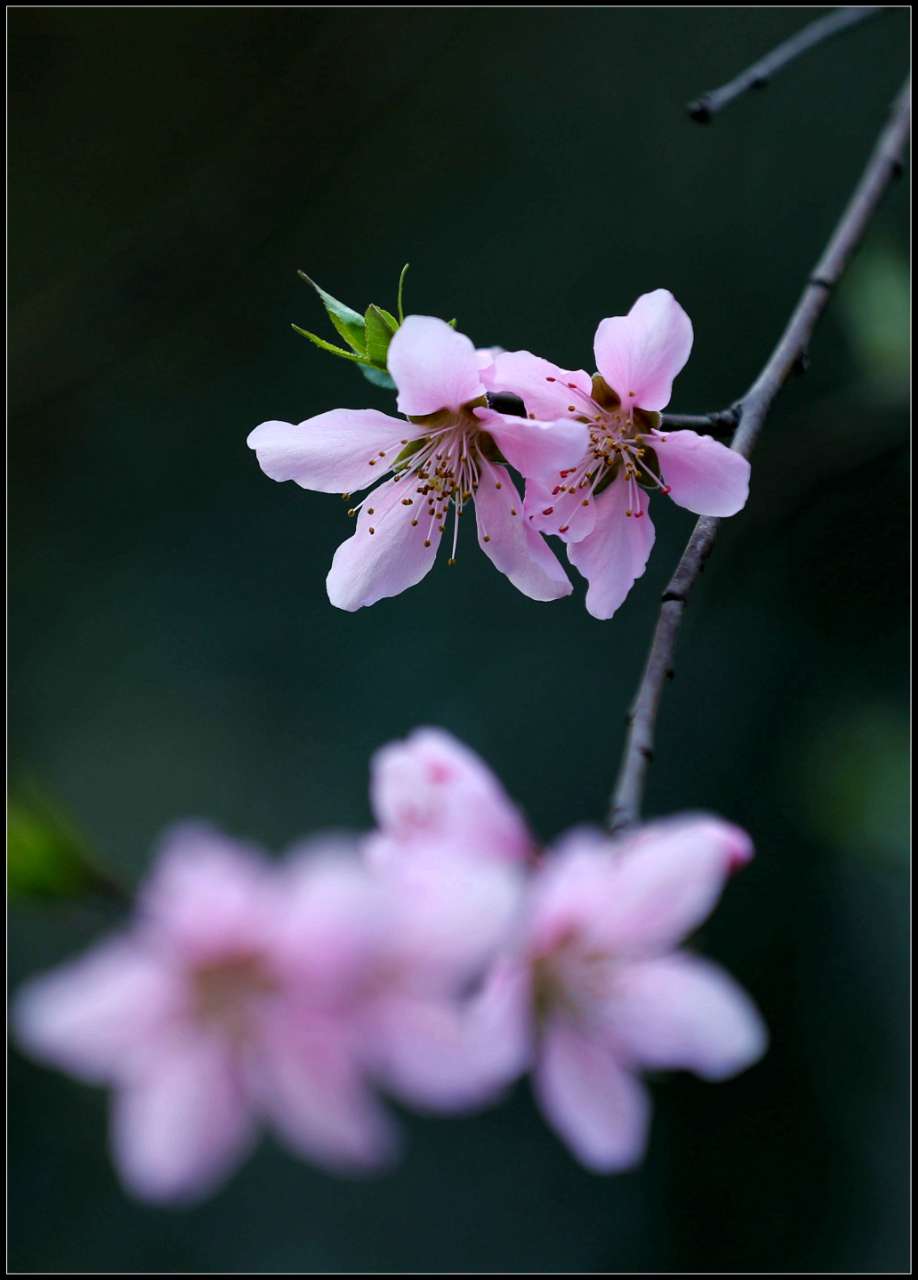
(347, 322)
(46, 858)
(388, 317)
(380, 326)
(401, 290)
(378, 377)
(329, 346)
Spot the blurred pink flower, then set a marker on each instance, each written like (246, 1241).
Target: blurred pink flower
(246, 991)
(437, 966)
(234, 996)
(450, 853)
(429, 791)
(595, 989)
(446, 451)
(599, 505)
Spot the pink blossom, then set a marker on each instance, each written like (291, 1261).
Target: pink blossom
(235, 996)
(447, 451)
(450, 853)
(246, 993)
(431, 792)
(600, 505)
(448, 915)
(595, 988)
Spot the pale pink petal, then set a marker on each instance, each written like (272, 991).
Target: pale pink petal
(679, 1011)
(667, 880)
(450, 1055)
(537, 449)
(388, 552)
(96, 1016)
(207, 894)
(703, 475)
(545, 389)
(571, 516)
(310, 1087)
(336, 452)
(432, 787)
(570, 895)
(447, 914)
(179, 1128)
(615, 554)
(509, 541)
(639, 354)
(433, 366)
(735, 844)
(599, 1110)
(329, 933)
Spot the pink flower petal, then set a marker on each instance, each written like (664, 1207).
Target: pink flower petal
(373, 565)
(335, 452)
(430, 788)
(615, 554)
(450, 1056)
(598, 1109)
(331, 929)
(703, 475)
(207, 894)
(667, 880)
(563, 514)
(448, 913)
(640, 354)
(433, 366)
(683, 1012)
(544, 388)
(178, 1129)
(311, 1088)
(537, 449)
(95, 1016)
(509, 541)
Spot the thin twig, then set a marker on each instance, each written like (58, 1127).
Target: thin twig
(721, 423)
(705, 108)
(885, 163)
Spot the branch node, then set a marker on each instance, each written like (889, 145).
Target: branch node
(678, 597)
(700, 109)
(820, 282)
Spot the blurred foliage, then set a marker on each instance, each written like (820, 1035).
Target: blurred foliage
(46, 857)
(876, 307)
(852, 775)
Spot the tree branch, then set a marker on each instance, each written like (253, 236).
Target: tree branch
(750, 412)
(721, 423)
(705, 108)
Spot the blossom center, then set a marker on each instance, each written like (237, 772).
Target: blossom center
(227, 992)
(572, 977)
(439, 469)
(618, 444)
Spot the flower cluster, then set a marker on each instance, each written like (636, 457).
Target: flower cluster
(590, 450)
(434, 960)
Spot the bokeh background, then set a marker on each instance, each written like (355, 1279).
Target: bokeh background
(172, 651)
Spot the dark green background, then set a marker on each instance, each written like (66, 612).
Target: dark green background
(173, 652)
